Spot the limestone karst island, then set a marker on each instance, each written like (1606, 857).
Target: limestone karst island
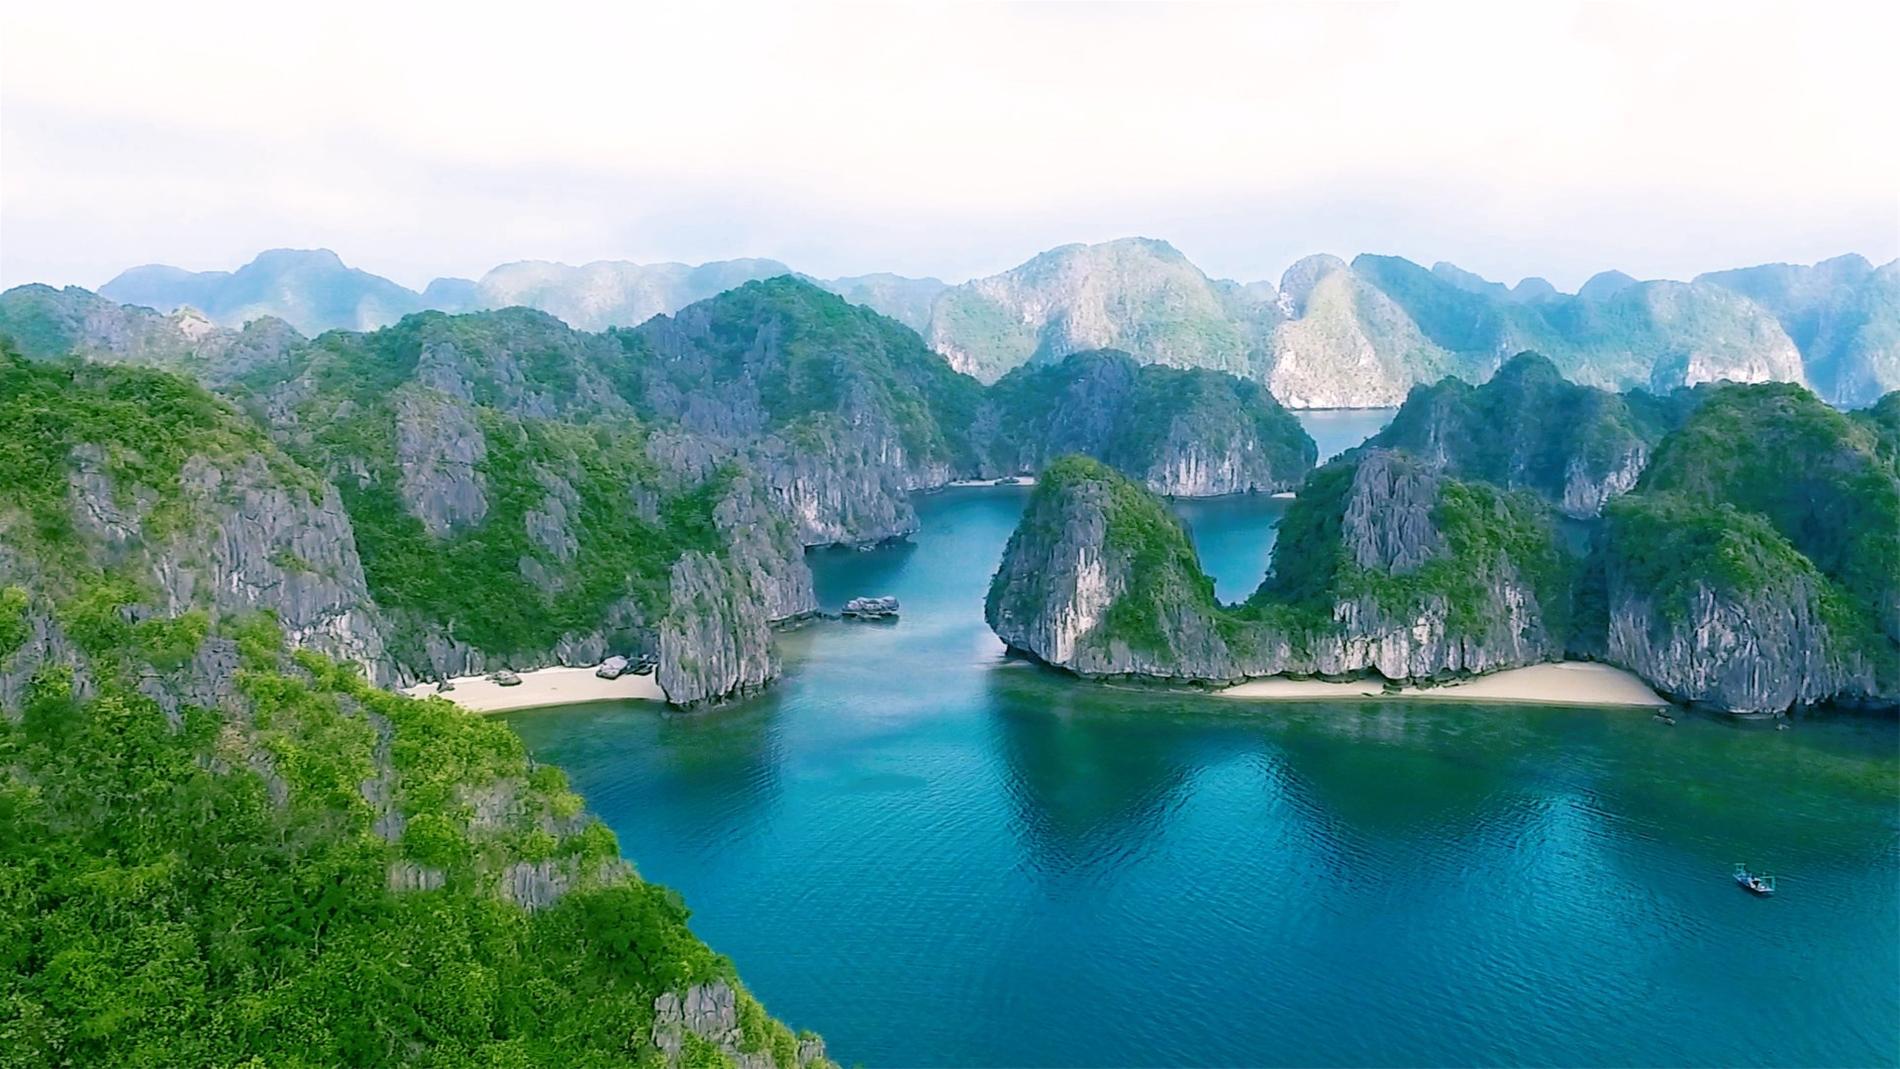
(602, 541)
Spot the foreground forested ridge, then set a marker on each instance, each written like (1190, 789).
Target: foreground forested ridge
(520, 493)
(1329, 333)
(1750, 562)
(220, 851)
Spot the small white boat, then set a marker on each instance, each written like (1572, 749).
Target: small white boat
(1752, 883)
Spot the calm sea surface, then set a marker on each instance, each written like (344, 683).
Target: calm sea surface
(937, 857)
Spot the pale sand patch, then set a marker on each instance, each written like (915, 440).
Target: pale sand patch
(1017, 480)
(544, 686)
(1563, 683)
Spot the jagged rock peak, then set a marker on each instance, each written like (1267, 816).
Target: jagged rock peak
(1297, 282)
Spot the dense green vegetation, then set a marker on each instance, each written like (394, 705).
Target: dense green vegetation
(1164, 573)
(217, 852)
(1883, 418)
(1526, 427)
(146, 425)
(37, 321)
(1489, 535)
(216, 890)
(473, 578)
(551, 409)
(1298, 593)
(1810, 471)
(1669, 546)
(1135, 417)
(807, 359)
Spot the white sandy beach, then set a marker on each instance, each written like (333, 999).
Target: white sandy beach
(1562, 683)
(544, 686)
(1015, 480)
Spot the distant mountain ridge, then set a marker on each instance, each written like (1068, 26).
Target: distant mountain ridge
(311, 289)
(1331, 334)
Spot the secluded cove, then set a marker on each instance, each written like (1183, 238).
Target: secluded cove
(937, 856)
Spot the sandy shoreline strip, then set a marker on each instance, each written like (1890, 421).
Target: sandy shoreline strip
(1014, 480)
(1562, 683)
(544, 686)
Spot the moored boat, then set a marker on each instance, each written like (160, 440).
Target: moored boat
(1752, 883)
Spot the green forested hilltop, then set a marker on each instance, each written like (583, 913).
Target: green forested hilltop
(784, 356)
(1816, 475)
(1529, 427)
(321, 873)
(1883, 418)
(216, 852)
(478, 456)
(1185, 432)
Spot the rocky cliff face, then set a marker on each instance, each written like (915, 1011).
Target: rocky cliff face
(146, 495)
(1181, 432)
(1100, 579)
(1135, 294)
(263, 544)
(1843, 314)
(1756, 653)
(516, 511)
(1344, 343)
(841, 411)
(1752, 568)
(1528, 428)
(1716, 606)
(715, 640)
(45, 323)
(1340, 335)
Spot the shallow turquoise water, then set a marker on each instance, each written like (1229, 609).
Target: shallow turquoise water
(936, 857)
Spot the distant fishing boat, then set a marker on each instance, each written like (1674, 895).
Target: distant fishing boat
(1760, 885)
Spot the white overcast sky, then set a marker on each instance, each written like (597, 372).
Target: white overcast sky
(421, 140)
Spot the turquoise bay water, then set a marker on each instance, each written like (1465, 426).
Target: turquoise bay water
(1336, 430)
(934, 856)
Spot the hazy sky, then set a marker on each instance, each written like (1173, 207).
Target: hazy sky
(949, 140)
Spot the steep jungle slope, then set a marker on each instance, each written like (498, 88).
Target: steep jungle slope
(224, 846)
(1758, 562)
(512, 509)
(1528, 427)
(1183, 432)
(839, 410)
